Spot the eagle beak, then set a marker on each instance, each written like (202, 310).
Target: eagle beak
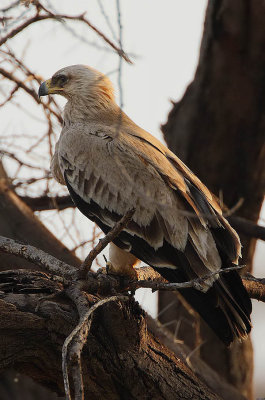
(44, 88)
(47, 88)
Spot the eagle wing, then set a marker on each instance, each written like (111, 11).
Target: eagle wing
(177, 227)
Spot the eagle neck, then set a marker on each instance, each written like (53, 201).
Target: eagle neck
(83, 109)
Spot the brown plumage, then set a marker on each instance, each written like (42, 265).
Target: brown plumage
(110, 165)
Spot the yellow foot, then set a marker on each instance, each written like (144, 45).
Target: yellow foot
(111, 269)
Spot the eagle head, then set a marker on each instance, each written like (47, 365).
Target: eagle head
(77, 81)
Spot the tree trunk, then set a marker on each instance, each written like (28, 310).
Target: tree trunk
(217, 129)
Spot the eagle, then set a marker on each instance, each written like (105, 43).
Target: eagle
(110, 166)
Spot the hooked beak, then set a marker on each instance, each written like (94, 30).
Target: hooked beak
(44, 88)
(47, 88)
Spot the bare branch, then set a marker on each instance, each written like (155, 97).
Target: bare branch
(103, 284)
(31, 92)
(37, 256)
(45, 202)
(119, 226)
(59, 17)
(255, 287)
(247, 227)
(13, 91)
(76, 341)
(20, 162)
(21, 27)
(194, 283)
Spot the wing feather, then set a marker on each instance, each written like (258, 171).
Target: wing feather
(110, 165)
(112, 174)
(124, 171)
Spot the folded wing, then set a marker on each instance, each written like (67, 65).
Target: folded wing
(177, 228)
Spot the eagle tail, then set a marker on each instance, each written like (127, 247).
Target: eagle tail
(225, 307)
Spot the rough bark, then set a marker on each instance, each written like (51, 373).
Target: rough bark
(121, 360)
(218, 130)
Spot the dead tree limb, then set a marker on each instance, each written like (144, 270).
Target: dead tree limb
(122, 360)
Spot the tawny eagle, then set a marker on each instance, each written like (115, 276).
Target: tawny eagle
(110, 165)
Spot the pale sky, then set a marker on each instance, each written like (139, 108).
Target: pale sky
(163, 38)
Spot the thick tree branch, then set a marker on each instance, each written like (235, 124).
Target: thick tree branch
(14, 286)
(247, 227)
(122, 360)
(255, 287)
(45, 202)
(37, 256)
(107, 284)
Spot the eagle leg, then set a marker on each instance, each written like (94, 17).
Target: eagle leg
(121, 262)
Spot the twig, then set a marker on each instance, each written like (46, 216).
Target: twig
(20, 162)
(233, 209)
(12, 5)
(13, 91)
(194, 283)
(79, 336)
(29, 73)
(107, 19)
(59, 17)
(21, 27)
(119, 226)
(86, 242)
(120, 60)
(31, 92)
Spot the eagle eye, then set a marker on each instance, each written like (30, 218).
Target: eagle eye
(60, 80)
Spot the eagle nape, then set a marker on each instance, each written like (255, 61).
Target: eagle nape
(110, 165)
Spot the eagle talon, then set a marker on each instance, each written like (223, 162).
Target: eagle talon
(109, 267)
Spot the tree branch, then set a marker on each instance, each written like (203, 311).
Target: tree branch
(37, 256)
(255, 287)
(31, 92)
(45, 202)
(59, 17)
(76, 341)
(106, 284)
(122, 360)
(247, 227)
(114, 232)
